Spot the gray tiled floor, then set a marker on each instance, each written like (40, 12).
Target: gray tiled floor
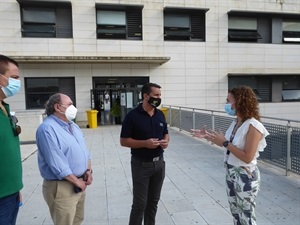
(193, 191)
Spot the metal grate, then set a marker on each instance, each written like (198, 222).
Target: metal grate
(295, 150)
(279, 151)
(276, 150)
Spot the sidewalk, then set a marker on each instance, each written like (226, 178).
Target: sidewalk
(193, 191)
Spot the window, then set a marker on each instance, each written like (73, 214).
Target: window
(291, 31)
(291, 88)
(38, 90)
(184, 24)
(243, 29)
(263, 27)
(260, 85)
(46, 19)
(119, 22)
(269, 87)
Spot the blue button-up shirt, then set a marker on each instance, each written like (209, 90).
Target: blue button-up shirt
(61, 149)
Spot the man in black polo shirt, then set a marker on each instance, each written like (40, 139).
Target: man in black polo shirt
(145, 131)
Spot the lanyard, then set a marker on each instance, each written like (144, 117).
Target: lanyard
(236, 127)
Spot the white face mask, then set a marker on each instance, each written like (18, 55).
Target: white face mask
(71, 112)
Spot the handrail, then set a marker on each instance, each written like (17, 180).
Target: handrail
(212, 110)
(283, 149)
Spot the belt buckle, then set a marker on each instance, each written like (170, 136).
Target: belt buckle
(156, 159)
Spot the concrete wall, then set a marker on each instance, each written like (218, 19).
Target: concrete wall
(29, 122)
(196, 75)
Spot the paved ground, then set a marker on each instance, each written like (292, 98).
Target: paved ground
(193, 191)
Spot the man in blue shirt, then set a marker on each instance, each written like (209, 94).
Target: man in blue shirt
(64, 161)
(145, 131)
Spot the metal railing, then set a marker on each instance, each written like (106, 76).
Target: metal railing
(283, 143)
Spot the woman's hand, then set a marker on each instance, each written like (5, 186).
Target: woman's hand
(216, 137)
(199, 133)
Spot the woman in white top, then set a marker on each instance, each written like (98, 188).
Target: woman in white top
(244, 139)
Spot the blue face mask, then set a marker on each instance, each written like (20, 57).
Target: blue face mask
(12, 88)
(229, 110)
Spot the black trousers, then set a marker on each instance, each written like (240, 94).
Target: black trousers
(147, 180)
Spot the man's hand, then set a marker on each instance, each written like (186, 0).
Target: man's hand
(164, 143)
(152, 143)
(81, 184)
(88, 177)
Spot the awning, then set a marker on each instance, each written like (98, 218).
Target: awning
(46, 3)
(175, 9)
(262, 74)
(90, 59)
(263, 13)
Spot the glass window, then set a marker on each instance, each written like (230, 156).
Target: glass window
(46, 20)
(173, 20)
(242, 23)
(38, 15)
(291, 31)
(260, 85)
(243, 29)
(291, 95)
(38, 90)
(184, 24)
(291, 88)
(111, 17)
(116, 23)
(269, 88)
(263, 27)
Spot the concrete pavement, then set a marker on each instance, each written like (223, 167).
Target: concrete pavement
(193, 191)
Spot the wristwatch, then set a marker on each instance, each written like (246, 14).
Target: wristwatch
(225, 143)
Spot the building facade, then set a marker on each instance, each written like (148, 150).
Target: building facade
(101, 52)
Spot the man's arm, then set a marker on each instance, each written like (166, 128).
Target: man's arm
(88, 174)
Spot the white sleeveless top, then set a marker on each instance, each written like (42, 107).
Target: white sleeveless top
(240, 139)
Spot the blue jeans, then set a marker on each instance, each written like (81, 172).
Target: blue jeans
(9, 208)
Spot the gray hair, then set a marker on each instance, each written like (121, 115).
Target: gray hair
(54, 99)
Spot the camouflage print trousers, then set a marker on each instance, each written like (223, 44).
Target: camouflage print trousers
(242, 186)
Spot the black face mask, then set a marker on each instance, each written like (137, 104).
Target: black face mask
(154, 102)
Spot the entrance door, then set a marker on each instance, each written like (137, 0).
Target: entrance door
(114, 104)
(114, 97)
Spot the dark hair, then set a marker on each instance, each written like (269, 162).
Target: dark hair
(246, 104)
(147, 88)
(54, 99)
(4, 60)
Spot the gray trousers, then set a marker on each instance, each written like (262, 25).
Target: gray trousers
(147, 180)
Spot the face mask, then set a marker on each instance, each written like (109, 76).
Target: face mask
(71, 112)
(229, 110)
(154, 102)
(12, 88)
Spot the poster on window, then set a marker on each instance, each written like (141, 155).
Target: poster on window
(129, 100)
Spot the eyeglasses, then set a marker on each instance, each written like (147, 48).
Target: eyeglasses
(16, 128)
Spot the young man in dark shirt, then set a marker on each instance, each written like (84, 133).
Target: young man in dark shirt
(145, 131)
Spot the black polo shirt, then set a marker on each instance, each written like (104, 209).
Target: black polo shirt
(139, 125)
